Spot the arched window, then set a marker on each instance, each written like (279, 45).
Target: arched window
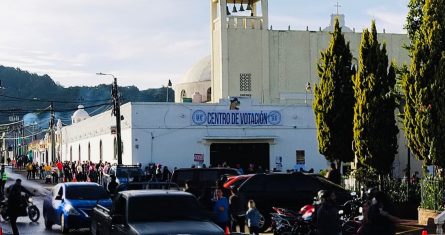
(71, 153)
(183, 94)
(89, 151)
(115, 149)
(209, 94)
(100, 151)
(79, 153)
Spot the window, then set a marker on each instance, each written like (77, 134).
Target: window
(115, 149)
(245, 82)
(209, 94)
(89, 152)
(183, 94)
(100, 150)
(300, 157)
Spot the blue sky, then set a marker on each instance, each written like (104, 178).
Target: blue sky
(147, 42)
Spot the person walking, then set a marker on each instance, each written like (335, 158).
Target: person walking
(14, 202)
(328, 219)
(221, 210)
(253, 218)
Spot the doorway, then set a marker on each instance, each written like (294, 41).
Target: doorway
(243, 154)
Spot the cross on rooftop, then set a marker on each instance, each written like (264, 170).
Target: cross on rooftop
(338, 6)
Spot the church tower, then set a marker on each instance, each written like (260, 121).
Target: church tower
(240, 49)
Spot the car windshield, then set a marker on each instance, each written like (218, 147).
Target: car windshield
(128, 172)
(86, 192)
(164, 208)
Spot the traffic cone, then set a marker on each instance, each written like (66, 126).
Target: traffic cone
(424, 232)
(74, 179)
(227, 232)
(1, 230)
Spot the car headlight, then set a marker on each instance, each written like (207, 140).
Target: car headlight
(70, 210)
(30, 199)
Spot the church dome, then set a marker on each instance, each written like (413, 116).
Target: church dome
(198, 72)
(79, 115)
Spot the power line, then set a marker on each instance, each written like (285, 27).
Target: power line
(54, 101)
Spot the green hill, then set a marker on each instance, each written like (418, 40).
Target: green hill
(26, 93)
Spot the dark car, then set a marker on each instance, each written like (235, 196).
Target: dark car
(201, 178)
(292, 191)
(153, 212)
(124, 174)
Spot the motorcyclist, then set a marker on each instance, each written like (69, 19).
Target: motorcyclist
(14, 203)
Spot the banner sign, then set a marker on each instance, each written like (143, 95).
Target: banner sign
(236, 118)
(198, 157)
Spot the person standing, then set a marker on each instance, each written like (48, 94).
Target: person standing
(253, 218)
(221, 210)
(4, 179)
(236, 212)
(334, 174)
(328, 220)
(112, 186)
(14, 201)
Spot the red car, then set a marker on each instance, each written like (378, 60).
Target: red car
(235, 181)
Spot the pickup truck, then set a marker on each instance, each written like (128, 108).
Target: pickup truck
(153, 212)
(124, 174)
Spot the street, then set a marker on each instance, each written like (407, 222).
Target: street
(24, 223)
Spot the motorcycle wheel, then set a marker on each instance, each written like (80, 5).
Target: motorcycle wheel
(33, 213)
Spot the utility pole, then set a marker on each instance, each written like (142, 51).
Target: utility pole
(51, 126)
(117, 113)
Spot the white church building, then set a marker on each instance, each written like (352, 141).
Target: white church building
(269, 71)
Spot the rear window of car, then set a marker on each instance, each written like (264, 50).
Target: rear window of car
(164, 208)
(86, 192)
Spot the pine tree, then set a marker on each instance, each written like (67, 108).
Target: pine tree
(414, 18)
(375, 130)
(424, 87)
(334, 100)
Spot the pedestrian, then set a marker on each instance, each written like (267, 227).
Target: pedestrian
(328, 219)
(237, 212)
(334, 174)
(380, 221)
(253, 217)
(28, 170)
(166, 174)
(112, 186)
(4, 179)
(14, 202)
(221, 210)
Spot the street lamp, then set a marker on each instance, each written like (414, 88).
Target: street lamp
(117, 113)
(169, 85)
(308, 89)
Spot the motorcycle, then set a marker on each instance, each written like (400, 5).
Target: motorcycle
(286, 221)
(27, 208)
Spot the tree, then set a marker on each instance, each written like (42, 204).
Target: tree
(424, 87)
(375, 130)
(414, 18)
(334, 100)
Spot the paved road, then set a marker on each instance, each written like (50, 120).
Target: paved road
(24, 223)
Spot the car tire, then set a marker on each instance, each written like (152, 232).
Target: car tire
(265, 222)
(63, 226)
(48, 223)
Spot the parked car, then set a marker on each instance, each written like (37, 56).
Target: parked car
(153, 212)
(124, 174)
(71, 204)
(286, 190)
(201, 178)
